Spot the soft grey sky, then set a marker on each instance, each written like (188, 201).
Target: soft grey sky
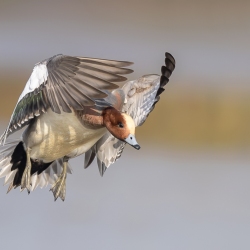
(209, 39)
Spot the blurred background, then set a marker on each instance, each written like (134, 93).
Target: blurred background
(188, 187)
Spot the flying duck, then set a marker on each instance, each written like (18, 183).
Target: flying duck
(71, 106)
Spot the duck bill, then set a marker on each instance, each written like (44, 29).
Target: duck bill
(132, 141)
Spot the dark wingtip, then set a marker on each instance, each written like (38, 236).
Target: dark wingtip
(128, 71)
(102, 169)
(170, 57)
(160, 90)
(167, 69)
(126, 63)
(166, 72)
(164, 80)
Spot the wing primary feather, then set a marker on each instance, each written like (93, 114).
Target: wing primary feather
(60, 96)
(97, 82)
(166, 71)
(72, 60)
(70, 100)
(101, 166)
(62, 102)
(52, 96)
(106, 68)
(164, 80)
(88, 89)
(104, 75)
(47, 94)
(170, 57)
(169, 64)
(63, 76)
(89, 157)
(44, 101)
(160, 90)
(66, 94)
(80, 97)
(106, 62)
(67, 70)
(68, 66)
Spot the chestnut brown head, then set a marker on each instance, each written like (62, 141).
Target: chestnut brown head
(120, 125)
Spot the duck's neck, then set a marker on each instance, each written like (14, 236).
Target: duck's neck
(96, 119)
(91, 118)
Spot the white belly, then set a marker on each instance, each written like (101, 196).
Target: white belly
(54, 136)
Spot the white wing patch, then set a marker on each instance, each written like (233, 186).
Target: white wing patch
(38, 76)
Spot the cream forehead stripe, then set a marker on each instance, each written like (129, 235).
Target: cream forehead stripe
(130, 123)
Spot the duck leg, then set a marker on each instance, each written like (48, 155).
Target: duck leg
(26, 181)
(59, 187)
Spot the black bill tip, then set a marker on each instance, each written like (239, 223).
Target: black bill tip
(137, 146)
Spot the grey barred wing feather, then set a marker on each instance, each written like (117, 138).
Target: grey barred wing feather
(63, 83)
(140, 98)
(107, 150)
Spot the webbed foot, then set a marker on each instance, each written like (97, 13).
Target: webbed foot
(59, 187)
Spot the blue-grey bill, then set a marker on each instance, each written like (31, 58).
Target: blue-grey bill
(132, 141)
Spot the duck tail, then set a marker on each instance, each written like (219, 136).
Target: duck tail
(12, 163)
(13, 159)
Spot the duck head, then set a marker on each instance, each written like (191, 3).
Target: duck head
(121, 126)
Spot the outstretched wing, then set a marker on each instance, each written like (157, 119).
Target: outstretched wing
(63, 83)
(144, 93)
(140, 98)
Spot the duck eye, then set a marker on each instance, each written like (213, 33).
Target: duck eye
(120, 125)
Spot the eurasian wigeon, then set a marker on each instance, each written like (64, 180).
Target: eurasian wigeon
(70, 106)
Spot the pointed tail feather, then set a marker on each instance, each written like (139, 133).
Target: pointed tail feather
(13, 163)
